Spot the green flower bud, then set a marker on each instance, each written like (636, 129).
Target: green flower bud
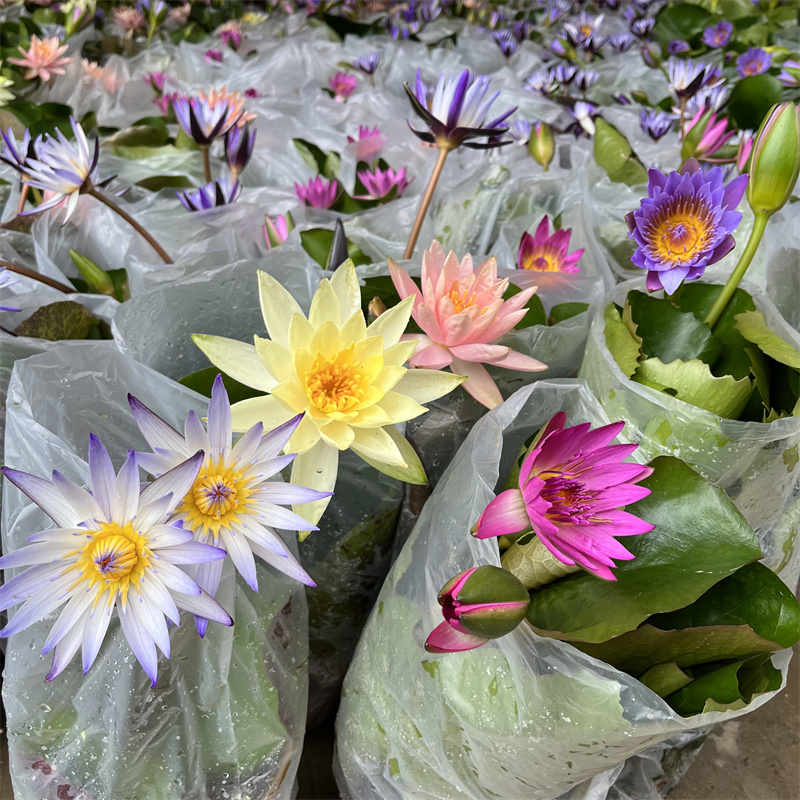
(542, 144)
(98, 280)
(775, 160)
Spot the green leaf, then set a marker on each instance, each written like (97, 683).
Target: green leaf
(622, 344)
(752, 325)
(680, 21)
(668, 333)
(729, 684)
(535, 314)
(157, 182)
(612, 151)
(311, 154)
(202, 381)
(699, 538)
(413, 473)
(139, 136)
(63, 320)
(317, 243)
(565, 311)
(664, 679)
(751, 99)
(754, 595)
(692, 382)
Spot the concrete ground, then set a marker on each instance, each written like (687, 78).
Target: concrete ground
(754, 758)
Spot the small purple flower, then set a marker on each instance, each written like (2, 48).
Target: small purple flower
(790, 74)
(17, 154)
(585, 79)
(641, 27)
(687, 77)
(753, 62)
(201, 121)
(221, 192)
(562, 73)
(583, 115)
(212, 56)
(506, 41)
(455, 111)
(714, 98)
(622, 42)
(368, 63)
(684, 224)
(380, 183)
(622, 100)
(318, 192)
(543, 81)
(655, 123)
(156, 81)
(718, 35)
(678, 46)
(238, 148)
(6, 280)
(520, 130)
(522, 30)
(252, 92)
(342, 86)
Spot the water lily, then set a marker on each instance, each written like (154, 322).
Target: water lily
(718, 35)
(573, 488)
(342, 86)
(6, 279)
(129, 18)
(239, 143)
(547, 253)
(367, 63)
(232, 503)
(43, 58)
(461, 312)
(275, 233)
(319, 192)
(379, 183)
(754, 61)
(113, 549)
(221, 192)
(5, 95)
(655, 123)
(347, 378)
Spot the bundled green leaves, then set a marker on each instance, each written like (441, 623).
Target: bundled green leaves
(694, 616)
(741, 370)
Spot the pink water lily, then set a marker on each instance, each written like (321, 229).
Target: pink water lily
(461, 311)
(43, 58)
(573, 487)
(547, 253)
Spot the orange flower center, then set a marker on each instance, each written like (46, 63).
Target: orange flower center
(337, 384)
(680, 236)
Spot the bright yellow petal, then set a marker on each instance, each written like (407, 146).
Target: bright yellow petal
(424, 385)
(376, 444)
(237, 359)
(300, 333)
(337, 434)
(291, 395)
(370, 368)
(324, 306)
(354, 329)
(306, 435)
(389, 378)
(277, 307)
(392, 323)
(277, 358)
(345, 284)
(371, 396)
(401, 408)
(372, 417)
(315, 469)
(399, 353)
(327, 341)
(268, 410)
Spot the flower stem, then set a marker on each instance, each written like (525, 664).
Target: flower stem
(133, 223)
(426, 201)
(29, 273)
(759, 224)
(683, 119)
(207, 164)
(23, 196)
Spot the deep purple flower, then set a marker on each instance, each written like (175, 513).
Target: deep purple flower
(238, 148)
(718, 35)
(367, 64)
(684, 224)
(221, 192)
(622, 42)
(622, 100)
(252, 92)
(655, 123)
(16, 154)
(583, 114)
(573, 487)
(379, 183)
(455, 111)
(506, 41)
(212, 55)
(753, 62)
(318, 192)
(6, 280)
(678, 46)
(201, 121)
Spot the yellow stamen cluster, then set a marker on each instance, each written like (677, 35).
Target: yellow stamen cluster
(114, 555)
(219, 494)
(542, 260)
(678, 237)
(336, 384)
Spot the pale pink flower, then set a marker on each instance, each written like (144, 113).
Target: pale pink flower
(462, 313)
(129, 18)
(369, 143)
(343, 85)
(181, 13)
(234, 100)
(108, 80)
(43, 58)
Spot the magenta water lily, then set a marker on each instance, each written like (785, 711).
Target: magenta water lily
(379, 183)
(545, 253)
(573, 489)
(685, 224)
(319, 192)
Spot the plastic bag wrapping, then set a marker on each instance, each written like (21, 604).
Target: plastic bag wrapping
(227, 717)
(756, 464)
(521, 716)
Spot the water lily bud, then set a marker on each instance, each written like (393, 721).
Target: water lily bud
(651, 55)
(480, 604)
(775, 160)
(97, 279)
(542, 144)
(376, 308)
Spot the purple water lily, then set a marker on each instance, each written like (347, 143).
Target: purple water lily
(678, 46)
(687, 77)
(318, 192)
(685, 224)
(641, 28)
(622, 42)
(221, 192)
(718, 35)
(754, 61)
(790, 74)
(238, 148)
(455, 112)
(367, 63)
(583, 115)
(202, 121)
(506, 41)
(656, 123)
(6, 280)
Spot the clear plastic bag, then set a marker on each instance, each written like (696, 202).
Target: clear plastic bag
(521, 716)
(755, 463)
(227, 717)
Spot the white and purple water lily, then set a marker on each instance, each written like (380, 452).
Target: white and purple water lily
(113, 548)
(232, 504)
(221, 192)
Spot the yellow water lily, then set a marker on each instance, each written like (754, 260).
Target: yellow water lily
(348, 378)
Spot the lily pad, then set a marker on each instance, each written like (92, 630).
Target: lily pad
(622, 344)
(613, 152)
(203, 380)
(57, 321)
(565, 311)
(752, 325)
(664, 679)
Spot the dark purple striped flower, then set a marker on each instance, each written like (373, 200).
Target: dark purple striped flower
(755, 61)
(455, 111)
(687, 77)
(367, 64)
(655, 123)
(202, 121)
(718, 35)
(573, 488)
(16, 154)
(685, 224)
(622, 42)
(238, 148)
(221, 192)
(585, 79)
(506, 41)
(678, 46)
